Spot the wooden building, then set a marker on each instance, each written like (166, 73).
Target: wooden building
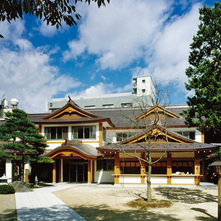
(101, 145)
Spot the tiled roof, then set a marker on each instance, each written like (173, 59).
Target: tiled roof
(159, 147)
(120, 117)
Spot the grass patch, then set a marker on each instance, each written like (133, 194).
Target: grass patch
(144, 204)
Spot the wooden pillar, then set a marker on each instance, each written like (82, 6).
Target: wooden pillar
(100, 135)
(202, 137)
(197, 171)
(54, 172)
(59, 170)
(116, 168)
(89, 172)
(169, 168)
(62, 170)
(93, 171)
(143, 170)
(40, 129)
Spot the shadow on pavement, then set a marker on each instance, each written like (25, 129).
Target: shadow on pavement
(103, 212)
(209, 218)
(53, 213)
(184, 195)
(8, 215)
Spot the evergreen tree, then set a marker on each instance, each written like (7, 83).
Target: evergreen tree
(204, 74)
(21, 139)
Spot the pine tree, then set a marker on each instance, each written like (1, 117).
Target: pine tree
(22, 140)
(204, 73)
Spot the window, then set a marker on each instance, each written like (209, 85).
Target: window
(105, 164)
(143, 81)
(107, 105)
(143, 90)
(56, 133)
(126, 104)
(159, 168)
(89, 106)
(130, 167)
(124, 135)
(84, 132)
(188, 134)
(183, 166)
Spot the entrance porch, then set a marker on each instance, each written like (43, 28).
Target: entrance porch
(73, 162)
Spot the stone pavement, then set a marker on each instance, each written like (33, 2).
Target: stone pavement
(41, 204)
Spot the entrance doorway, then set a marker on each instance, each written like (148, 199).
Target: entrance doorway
(75, 170)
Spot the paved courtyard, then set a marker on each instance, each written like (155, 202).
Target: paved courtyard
(41, 204)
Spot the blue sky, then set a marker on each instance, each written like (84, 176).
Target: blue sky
(101, 54)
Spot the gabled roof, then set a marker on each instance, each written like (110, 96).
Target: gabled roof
(160, 134)
(70, 113)
(70, 110)
(159, 111)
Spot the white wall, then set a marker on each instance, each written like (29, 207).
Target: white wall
(183, 180)
(102, 176)
(8, 170)
(197, 133)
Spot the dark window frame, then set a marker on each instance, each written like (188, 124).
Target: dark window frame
(56, 133)
(105, 164)
(83, 132)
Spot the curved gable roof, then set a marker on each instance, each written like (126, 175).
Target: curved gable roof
(158, 130)
(84, 151)
(70, 110)
(159, 110)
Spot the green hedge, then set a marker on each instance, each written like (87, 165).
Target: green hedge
(6, 189)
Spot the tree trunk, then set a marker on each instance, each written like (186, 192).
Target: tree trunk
(149, 196)
(22, 168)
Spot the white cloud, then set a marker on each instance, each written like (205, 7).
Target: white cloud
(47, 30)
(119, 32)
(138, 32)
(98, 89)
(171, 51)
(26, 74)
(76, 48)
(11, 31)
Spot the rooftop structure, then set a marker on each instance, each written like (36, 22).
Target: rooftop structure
(4, 107)
(143, 88)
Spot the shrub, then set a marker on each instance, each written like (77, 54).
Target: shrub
(6, 189)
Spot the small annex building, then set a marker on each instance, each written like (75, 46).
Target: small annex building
(102, 145)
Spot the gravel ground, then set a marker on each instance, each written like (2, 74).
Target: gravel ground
(7, 207)
(96, 203)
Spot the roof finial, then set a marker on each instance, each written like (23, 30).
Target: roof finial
(157, 102)
(69, 98)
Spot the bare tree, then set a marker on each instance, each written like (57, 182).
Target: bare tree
(152, 129)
